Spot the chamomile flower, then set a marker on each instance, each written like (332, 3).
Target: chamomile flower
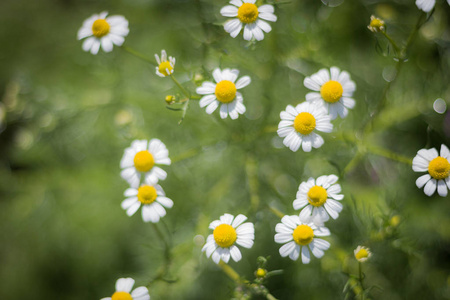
(376, 24)
(224, 93)
(250, 16)
(426, 5)
(229, 231)
(151, 197)
(99, 30)
(165, 67)
(332, 88)
(142, 158)
(299, 124)
(123, 291)
(438, 168)
(300, 237)
(318, 199)
(362, 254)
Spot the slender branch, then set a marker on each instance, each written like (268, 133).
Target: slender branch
(361, 279)
(139, 55)
(276, 212)
(253, 183)
(230, 271)
(183, 90)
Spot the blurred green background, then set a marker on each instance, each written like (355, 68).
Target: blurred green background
(66, 116)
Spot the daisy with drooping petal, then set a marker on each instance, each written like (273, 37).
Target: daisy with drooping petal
(319, 199)
(123, 291)
(103, 31)
(224, 92)
(141, 158)
(300, 237)
(362, 254)
(333, 89)
(250, 16)
(165, 67)
(376, 24)
(438, 168)
(151, 197)
(426, 5)
(229, 231)
(298, 126)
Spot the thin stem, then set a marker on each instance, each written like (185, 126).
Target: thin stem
(276, 212)
(230, 271)
(183, 90)
(393, 43)
(361, 279)
(253, 183)
(270, 297)
(139, 55)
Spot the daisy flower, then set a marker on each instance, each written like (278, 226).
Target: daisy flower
(100, 30)
(248, 15)
(123, 291)
(438, 168)
(165, 67)
(332, 88)
(224, 92)
(376, 24)
(300, 237)
(318, 199)
(426, 5)
(141, 158)
(153, 199)
(229, 231)
(362, 254)
(298, 125)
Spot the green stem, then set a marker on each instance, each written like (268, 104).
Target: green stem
(276, 212)
(183, 90)
(253, 183)
(139, 55)
(230, 271)
(361, 279)
(393, 43)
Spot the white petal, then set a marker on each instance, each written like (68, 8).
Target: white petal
(305, 255)
(95, 47)
(263, 25)
(229, 11)
(267, 16)
(235, 253)
(238, 220)
(305, 214)
(165, 201)
(133, 208)
(226, 219)
(243, 82)
(422, 180)
(316, 251)
(299, 203)
(295, 253)
(442, 188)
(348, 102)
(217, 74)
(127, 203)
(247, 33)
(206, 88)
(286, 249)
(212, 107)
(107, 45)
(430, 187)
(267, 8)
(282, 238)
(124, 284)
(224, 110)
(140, 292)
(445, 152)
(321, 244)
(87, 44)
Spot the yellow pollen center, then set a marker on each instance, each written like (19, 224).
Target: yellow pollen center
(147, 194)
(317, 195)
(100, 28)
(304, 123)
(331, 91)
(144, 161)
(224, 235)
(225, 91)
(303, 235)
(248, 13)
(361, 254)
(439, 168)
(121, 296)
(376, 23)
(165, 65)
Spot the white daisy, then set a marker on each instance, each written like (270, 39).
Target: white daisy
(362, 254)
(300, 237)
(153, 199)
(318, 199)
(438, 168)
(105, 31)
(333, 91)
(224, 92)
(229, 231)
(141, 158)
(298, 126)
(249, 15)
(165, 67)
(123, 291)
(426, 5)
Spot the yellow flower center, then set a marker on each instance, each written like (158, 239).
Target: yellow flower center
(100, 28)
(376, 23)
(147, 194)
(261, 272)
(121, 296)
(439, 168)
(362, 253)
(144, 161)
(304, 123)
(331, 91)
(225, 91)
(165, 65)
(303, 235)
(225, 235)
(317, 195)
(248, 13)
